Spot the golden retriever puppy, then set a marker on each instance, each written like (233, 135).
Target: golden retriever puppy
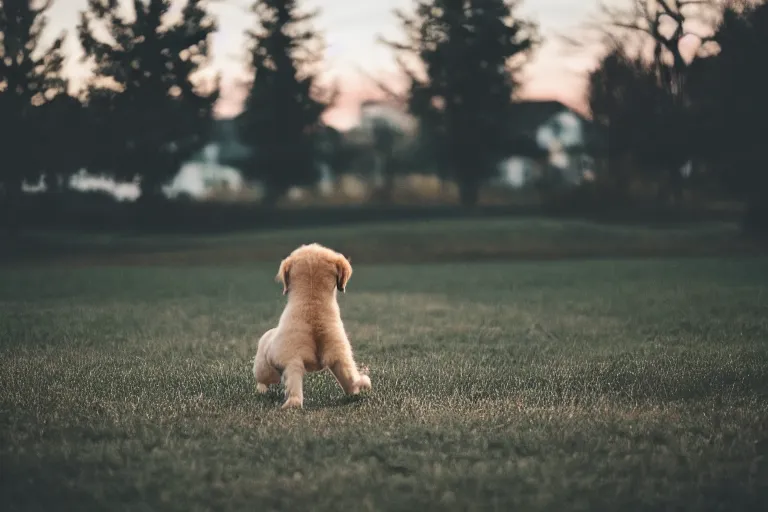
(310, 335)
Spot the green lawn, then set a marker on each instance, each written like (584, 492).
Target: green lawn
(600, 384)
(490, 239)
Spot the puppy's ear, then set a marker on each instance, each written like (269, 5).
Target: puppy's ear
(343, 273)
(283, 273)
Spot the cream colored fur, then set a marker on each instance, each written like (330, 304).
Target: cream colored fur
(310, 335)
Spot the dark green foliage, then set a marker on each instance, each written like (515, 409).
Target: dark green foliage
(623, 92)
(647, 126)
(738, 109)
(148, 115)
(644, 102)
(469, 51)
(30, 76)
(282, 112)
(64, 133)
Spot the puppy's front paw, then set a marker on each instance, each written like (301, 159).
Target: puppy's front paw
(261, 388)
(364, 383)
(293, 403)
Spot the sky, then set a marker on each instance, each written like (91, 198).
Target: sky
(350, 29)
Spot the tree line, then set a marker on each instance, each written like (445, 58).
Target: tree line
(662, 109)
(146, 109)
(148, 106)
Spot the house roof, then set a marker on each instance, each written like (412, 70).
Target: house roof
(526, 117)
(535, 111)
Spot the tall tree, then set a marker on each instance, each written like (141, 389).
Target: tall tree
(612, 95)
(737, 106)
(664, 26)
(470, 50)
(150, 113)
(30, 76)
(63, 133)
(284, 105)
(627, 99)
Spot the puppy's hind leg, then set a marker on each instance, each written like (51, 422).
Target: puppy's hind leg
(264, 373)
(294, 384)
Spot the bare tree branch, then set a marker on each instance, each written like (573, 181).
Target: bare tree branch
(702, 39)
(630, 26)
(675, 14)
(394, 45)
(646, 16)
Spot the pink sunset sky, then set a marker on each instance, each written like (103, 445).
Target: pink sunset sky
(350, 29)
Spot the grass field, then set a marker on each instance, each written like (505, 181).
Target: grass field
(591, 384)
(424, 241)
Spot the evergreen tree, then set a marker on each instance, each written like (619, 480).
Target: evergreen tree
(282, 111)
(149, 115)
(30, 76)
(469, 50)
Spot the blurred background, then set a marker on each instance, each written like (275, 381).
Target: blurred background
(556, 211)
(192, 115)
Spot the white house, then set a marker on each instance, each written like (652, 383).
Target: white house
(210, 171)
(200, 177)
(547, 136)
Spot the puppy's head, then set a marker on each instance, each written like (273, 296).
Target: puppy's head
(314, 267)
